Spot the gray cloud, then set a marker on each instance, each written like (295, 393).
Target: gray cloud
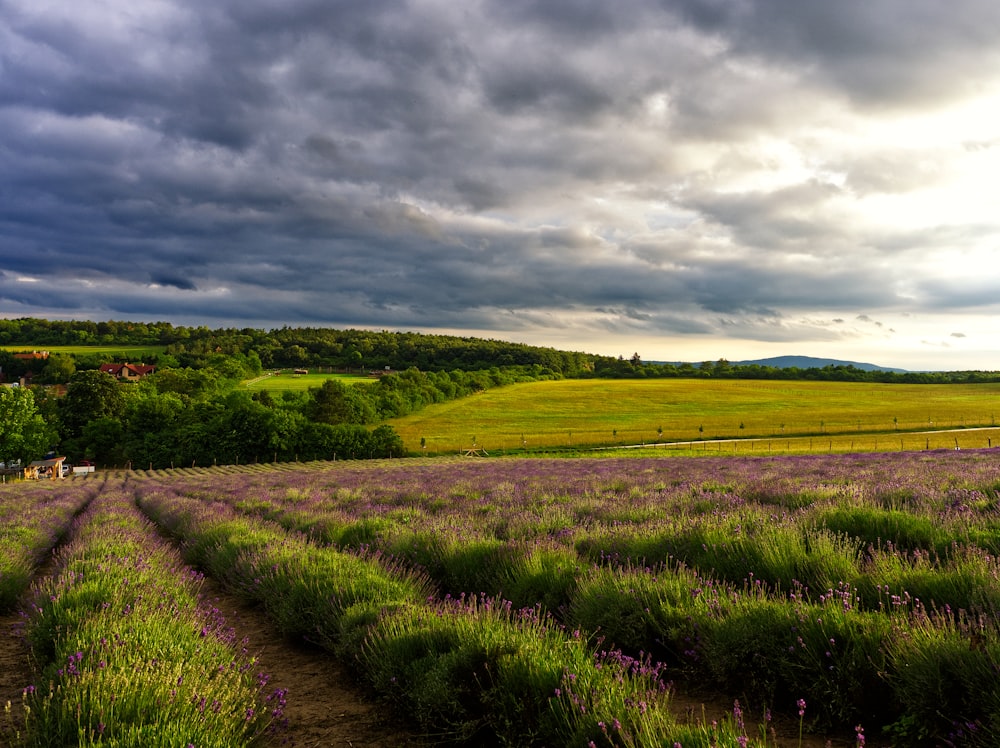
(685, 169)
(878, 54)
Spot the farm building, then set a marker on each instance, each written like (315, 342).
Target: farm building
(51, 468)
(128, 372)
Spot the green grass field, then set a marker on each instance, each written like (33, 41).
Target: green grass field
(131, 351)
(286, 381)
(765, 415)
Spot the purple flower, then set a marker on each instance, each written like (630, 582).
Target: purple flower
(738, 715)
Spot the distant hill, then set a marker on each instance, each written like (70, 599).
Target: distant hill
(810, 362)
(803, 362)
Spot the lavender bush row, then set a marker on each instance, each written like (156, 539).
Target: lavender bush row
(926, 676)
(522, 499)
(475, 536)
(467, 669)
(307, 589)
(747, 640)
(781, 552)
(612, 491)
(128, 654)
(33, 518)
(901, 532)
(476, 670)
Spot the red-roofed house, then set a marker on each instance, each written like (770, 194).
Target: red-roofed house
(129, 372)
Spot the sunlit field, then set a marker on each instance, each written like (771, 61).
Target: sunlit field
(821, 416)
(136, 352)
(286, 380)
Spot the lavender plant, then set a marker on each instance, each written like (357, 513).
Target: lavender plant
(475, 669)
(33, 518)
(128, 654)
(304, 587)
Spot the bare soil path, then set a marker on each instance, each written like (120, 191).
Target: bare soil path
(325, 706)
(15, 675)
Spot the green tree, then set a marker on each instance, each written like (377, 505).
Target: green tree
(195, 383)
(295, 355)
(196, 437)
(333, 402)
(11, 368)
(386, 442)
(151, 421)
(89, 396)
(103, 441)
(247, 431)
(59, 369)
(24, 435)
(166, 361)
(350, 442)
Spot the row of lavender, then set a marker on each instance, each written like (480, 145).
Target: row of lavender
(127, 654)
(33, 518)
(867, 585)
(470, 670)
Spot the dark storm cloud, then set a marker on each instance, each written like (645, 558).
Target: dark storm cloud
(500, 165)
(176, 281)
(878, 54)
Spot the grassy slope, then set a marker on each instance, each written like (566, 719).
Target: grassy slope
(136, 351)
(587, 412)
(286, 381)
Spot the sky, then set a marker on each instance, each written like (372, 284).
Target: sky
(688, 180)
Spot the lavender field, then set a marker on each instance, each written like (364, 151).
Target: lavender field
(566, 602)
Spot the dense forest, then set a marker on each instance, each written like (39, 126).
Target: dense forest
(292, 347)
(192, 412)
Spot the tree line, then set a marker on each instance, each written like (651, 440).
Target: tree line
(185, 416)
(300, 346)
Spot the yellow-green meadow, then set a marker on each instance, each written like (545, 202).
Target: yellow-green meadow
(127, 351)
(287, 381)
(839, 416)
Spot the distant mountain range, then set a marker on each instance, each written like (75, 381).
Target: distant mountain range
(810, 362)
(804, 362)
